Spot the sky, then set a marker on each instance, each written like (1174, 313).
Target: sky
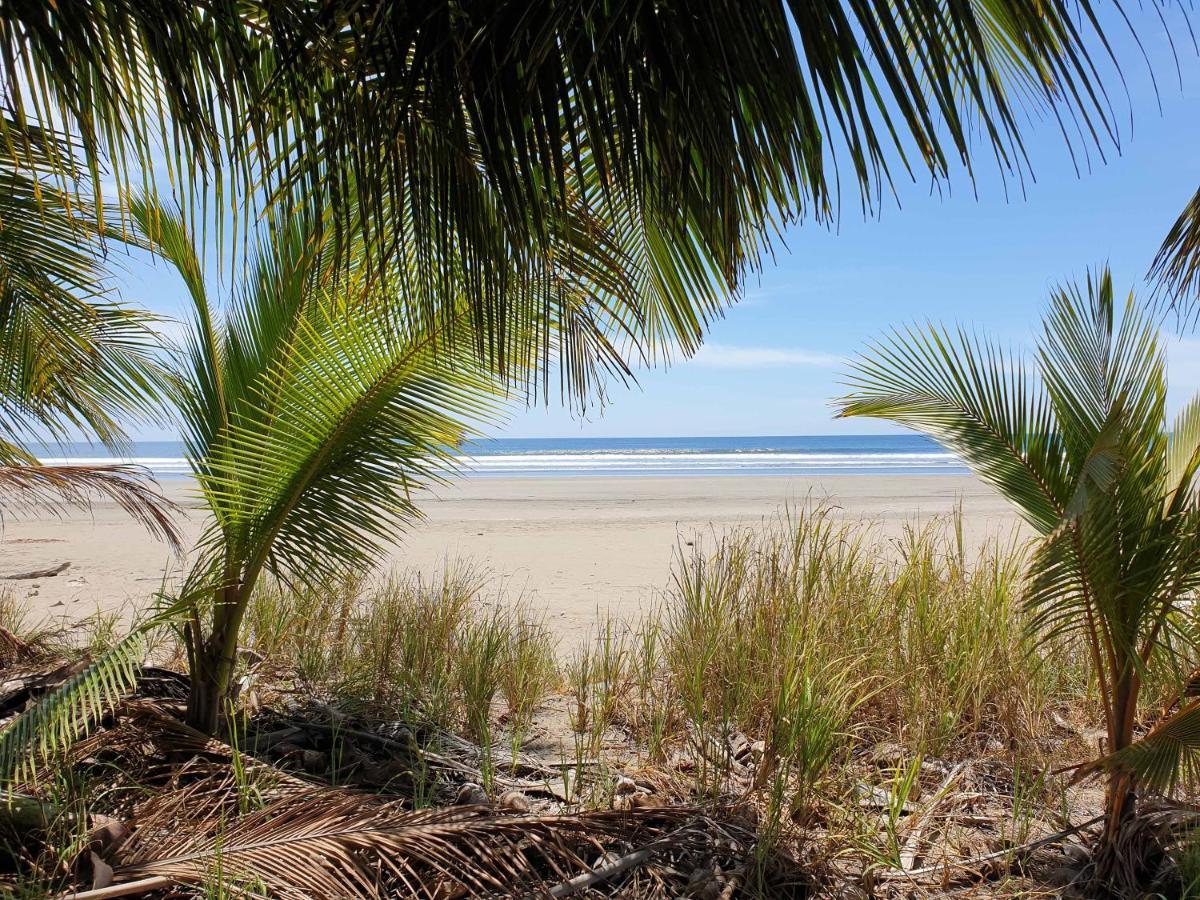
(972, 254)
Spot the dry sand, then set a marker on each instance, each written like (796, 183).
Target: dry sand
(571, 546)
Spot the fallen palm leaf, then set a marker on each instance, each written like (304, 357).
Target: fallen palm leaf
(333, 843)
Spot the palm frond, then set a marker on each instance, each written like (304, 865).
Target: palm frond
(1176, 266)
(315, 408)
(128, 79)
(1104, 373)
(1053, 597)
(1120, 532)
(753, 128)
(977, 401)
(500, 137)
(308, 841)
(61, 716)
(1183, 455)
(1164, 758)
(70, 357)
(130, 487)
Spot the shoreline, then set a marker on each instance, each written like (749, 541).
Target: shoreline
(569, 546)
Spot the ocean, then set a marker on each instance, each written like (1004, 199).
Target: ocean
(674, 456)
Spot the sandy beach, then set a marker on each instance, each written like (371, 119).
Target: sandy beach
(569, 546)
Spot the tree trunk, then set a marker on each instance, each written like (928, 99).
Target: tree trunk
(208, 692)
(1117, 859)
(1120, 805)
(213, 662)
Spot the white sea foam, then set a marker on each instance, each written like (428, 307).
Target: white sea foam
(159, 465)
(698, 462)
(631, 462)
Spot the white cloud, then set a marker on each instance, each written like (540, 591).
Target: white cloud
(724, 356)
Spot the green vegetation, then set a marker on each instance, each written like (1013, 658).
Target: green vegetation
(777, 665)
(71, 359)
(481, 127)
(430, 239)
(313, 410)
(1082, 448)
(828, 677)
(437, 651)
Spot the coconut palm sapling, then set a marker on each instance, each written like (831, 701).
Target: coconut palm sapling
(1079, 442)
(313, 410)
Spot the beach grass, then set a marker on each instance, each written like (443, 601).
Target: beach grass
(406, 646)
(813, 634)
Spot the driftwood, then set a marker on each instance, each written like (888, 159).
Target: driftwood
(39, 573)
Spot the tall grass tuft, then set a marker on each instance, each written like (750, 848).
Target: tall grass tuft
(813, 639)
(932, 644)
(405, 646)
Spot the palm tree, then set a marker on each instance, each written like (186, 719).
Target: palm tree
(1080, 444)
(72, 361)
(478, 145)
(313, 409)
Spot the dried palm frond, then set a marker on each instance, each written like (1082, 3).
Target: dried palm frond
(57, 487)
(145, 743)
(325, 842)
(13, 647)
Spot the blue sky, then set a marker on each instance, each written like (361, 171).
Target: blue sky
(774, 363)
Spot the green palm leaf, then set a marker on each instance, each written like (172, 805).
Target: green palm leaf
(481, 146)
(72, 361)
(70, 358)
(52, 724)
(979, 402)
(57, 720)
(1183, 454)
(1177, 265)
(1166, 757)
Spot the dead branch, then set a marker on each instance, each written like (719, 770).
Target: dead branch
(589, 880)
(128, 889)
(908, 854)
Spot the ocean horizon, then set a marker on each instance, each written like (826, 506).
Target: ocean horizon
(906, 454)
